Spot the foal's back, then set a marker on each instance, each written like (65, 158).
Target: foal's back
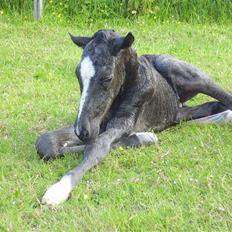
(160, 108)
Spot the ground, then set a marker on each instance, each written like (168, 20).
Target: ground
(182, 184)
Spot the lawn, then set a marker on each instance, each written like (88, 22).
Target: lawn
(182, 184)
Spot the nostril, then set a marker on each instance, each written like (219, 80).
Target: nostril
(84, 134)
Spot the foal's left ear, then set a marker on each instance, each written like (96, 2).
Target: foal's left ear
(122, 43)
(127, 41)
(80, 41)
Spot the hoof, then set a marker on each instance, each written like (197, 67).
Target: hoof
(57, 193)
(228, 116)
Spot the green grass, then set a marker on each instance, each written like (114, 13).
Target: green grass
(197, 11)
(183, 184)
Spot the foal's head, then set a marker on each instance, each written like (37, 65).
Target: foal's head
(101, 73)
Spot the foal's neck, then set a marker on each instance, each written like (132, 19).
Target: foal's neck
(131, 65)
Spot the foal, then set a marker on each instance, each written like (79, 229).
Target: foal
(122, 96)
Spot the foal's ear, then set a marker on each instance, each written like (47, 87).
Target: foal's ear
(80, 41)
(122, 43)
(128, 41)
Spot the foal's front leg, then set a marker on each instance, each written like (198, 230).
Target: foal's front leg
(94, 153)
(54, 144)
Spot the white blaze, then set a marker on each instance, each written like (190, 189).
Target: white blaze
(87, 71)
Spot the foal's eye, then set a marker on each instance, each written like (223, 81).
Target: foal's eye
(106, 80)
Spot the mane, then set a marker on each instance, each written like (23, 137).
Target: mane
(131, 66)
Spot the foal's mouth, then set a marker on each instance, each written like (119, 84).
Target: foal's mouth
(86, 135)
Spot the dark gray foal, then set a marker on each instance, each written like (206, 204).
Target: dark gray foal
(122, 96)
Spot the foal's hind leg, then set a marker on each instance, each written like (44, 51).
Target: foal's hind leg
(210, 112)
(53, 144)
(220, 118)
(187, 113)
(188, 80)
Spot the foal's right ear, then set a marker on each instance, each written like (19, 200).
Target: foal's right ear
(80, 41)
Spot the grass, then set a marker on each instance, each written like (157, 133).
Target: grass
(207, 11)
(183, 184)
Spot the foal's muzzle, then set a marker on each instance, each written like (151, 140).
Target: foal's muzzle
(83, 134)
(82, 130)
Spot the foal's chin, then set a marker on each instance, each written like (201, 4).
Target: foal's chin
(93, 136)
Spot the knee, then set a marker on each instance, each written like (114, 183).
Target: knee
(46, 147)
